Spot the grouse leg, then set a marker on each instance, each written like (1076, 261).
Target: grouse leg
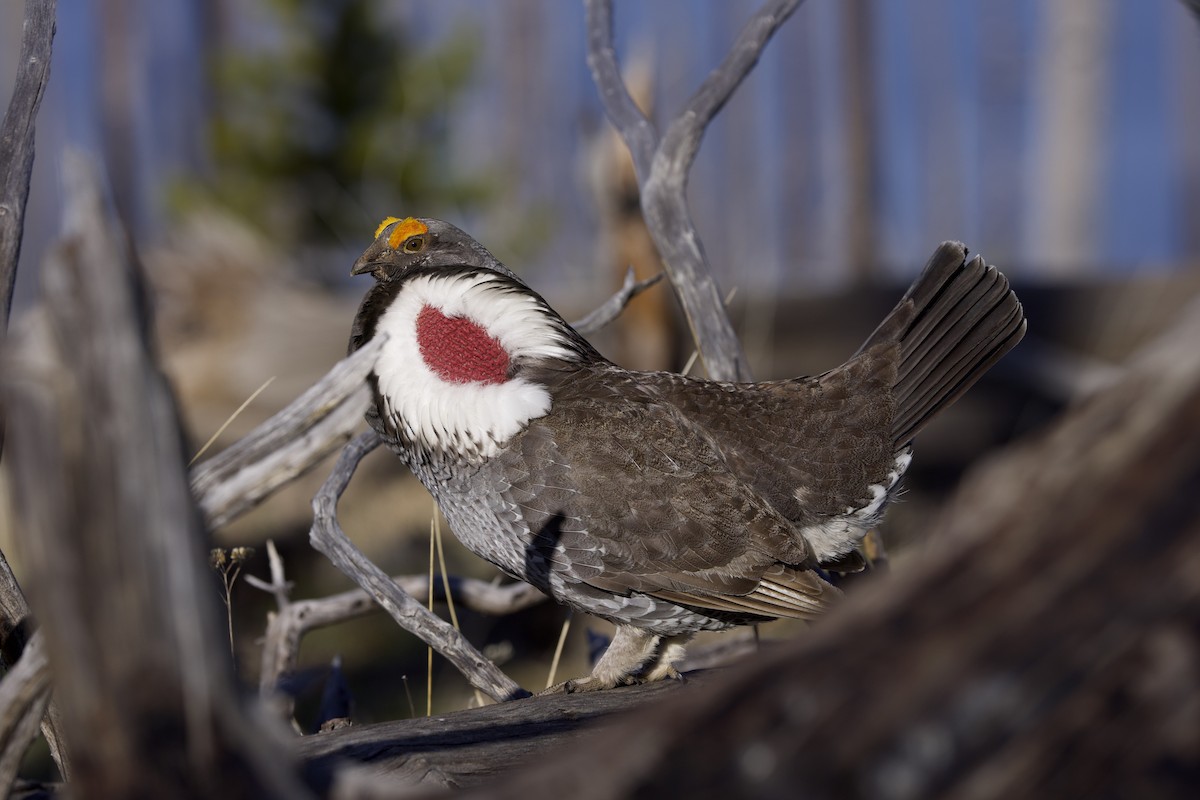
(632, 657)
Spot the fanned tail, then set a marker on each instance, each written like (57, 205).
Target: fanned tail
(953, 324)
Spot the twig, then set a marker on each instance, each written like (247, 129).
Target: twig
(288, 627)
(24, 693)
(279, 586)
(327, 537)
(662, 167)
(613, 306)
(436, 524)
(558, 650)
(429, 654)
(228, 564)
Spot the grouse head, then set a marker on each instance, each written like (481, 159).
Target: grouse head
(402, 245)
(469, 346)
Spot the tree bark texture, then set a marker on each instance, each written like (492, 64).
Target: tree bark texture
(17, 140)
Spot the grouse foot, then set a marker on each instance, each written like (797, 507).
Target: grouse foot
(635, 656)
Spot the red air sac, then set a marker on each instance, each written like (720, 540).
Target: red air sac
(459, 350)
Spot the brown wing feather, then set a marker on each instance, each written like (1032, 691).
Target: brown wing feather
(783, 592)
(812, 446)
(664, 514)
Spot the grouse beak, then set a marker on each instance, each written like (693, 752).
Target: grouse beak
(372, 261)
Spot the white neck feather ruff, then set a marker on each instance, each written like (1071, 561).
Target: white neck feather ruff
(473, 418)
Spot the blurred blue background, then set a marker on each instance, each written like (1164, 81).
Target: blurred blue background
(1059, 138)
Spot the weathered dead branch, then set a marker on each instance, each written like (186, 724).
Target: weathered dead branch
(662, 166)
(289, 625)
(24, 694)
(17, 140)
(288, 444)
(465, 748)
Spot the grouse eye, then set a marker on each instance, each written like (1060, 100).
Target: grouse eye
(414, 244)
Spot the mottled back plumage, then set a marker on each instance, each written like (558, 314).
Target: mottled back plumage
(664, 503)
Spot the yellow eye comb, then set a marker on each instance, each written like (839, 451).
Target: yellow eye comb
(407, 227)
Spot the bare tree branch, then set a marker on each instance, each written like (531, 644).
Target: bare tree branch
(279, 586)
(24, 694)
(662, 169)
(17, 140)
(638, 132)
(682, 138)
(613, 306)
(286, 628)
(328, 538)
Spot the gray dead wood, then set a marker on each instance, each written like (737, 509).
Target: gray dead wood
(24, 694)
(17, 140)
(114, 547)
(329, 539)
(288, 444)
(286, 627)
(465, 748)
(662, 166)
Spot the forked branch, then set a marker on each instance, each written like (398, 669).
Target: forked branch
(662, 167)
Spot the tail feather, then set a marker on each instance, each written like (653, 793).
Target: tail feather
(952, 325)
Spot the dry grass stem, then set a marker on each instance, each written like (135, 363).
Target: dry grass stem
(558, 651)
(229, 421)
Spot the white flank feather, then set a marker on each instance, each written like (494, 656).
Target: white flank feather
(470, 417)
(840, 535)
